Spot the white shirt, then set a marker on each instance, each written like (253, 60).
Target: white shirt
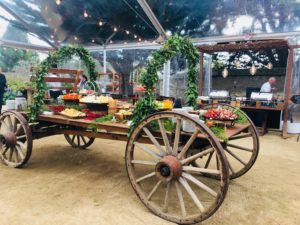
(266, 87)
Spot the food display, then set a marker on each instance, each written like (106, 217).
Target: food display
(220, 114)
(72, 113)
(123, 114)
(71, 96)
(96, 99)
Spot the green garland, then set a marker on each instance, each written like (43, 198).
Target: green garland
(173, 46)
(63, 54)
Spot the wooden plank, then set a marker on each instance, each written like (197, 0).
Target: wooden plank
(64, 71)
(60, 79)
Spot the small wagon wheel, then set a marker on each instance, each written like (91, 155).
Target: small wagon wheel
(16, 139)
(241, 150)
(161, 174)
(79, 141)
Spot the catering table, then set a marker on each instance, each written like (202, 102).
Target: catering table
(263, 117)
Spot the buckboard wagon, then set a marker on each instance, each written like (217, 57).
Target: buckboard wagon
(180, 176)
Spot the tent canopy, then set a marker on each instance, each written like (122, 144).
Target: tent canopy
(106, 22)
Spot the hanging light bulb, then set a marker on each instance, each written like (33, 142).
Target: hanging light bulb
(111, 41)
(127, 32)
(75, 38)
(93, 41)
(58, 2)
(135, 36)
(225, 72)
(270, 66)
(115, 29)
(253, 70)
(85, 14)
(140, 39)
(100, 23)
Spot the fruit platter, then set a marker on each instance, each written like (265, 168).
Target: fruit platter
(219, 117)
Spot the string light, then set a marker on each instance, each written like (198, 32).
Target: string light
(58, 2)
(75, 38)
(111, 41)
(253, 70)
(127, 32)
(270, 66)
(115, 29)
(100, 23)
(85, 14)
(140, 39)
(93, 41)
(135, 36)
(225, 72)
(52, 36)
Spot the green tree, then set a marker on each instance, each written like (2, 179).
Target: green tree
(10, 57)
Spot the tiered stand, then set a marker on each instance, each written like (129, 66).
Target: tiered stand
(180, 176)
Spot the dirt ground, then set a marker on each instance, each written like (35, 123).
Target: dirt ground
(63, 186)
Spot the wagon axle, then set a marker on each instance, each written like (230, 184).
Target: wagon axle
(168, 168)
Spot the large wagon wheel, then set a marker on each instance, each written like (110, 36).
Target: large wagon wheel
(241, 150)
(79, 141)
(16, 139)
(161, 174)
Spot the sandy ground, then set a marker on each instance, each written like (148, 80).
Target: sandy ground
(63, 186)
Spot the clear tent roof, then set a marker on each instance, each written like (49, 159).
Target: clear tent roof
(103, 22)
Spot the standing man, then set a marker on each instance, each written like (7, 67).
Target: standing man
(269, 86)
(3, 85)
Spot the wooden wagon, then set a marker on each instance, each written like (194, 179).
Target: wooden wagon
(180, 176)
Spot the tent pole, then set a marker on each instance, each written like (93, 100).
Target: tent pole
(287, 91)
(201, 71)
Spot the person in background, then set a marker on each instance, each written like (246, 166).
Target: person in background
(3, 86)
(269, 86)
(82, 82)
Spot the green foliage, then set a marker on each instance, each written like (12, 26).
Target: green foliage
(103, 119)
(63, 54)
(173, 46)
(241, 118)
(220, 132)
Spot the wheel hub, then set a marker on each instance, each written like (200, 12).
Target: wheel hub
(9, 139)
(168, 168)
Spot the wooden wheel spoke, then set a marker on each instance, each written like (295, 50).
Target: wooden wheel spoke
(239, 147)
(145, 177)
(208, 160)
(142, 162)
(21, 137)
(17, 158)
(240, 136)
(180, 197)
(166, 201)
(83, 139)
(235, 156)
(15, 124)
(177, 137)
(73, 138)
(19, 130)
(78, 140)
(148, 150)
(5, 124)
(10, 154)
(154, 141)
(188, 144)
(10, 124)
(194, 157)
(153, 190)
(229, 164)
(164, 136)
(18, 148)
(198, 170)
(5, 150)
(199, 184)
(192, 194)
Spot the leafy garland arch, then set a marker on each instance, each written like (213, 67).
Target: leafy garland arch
(63, 54)
(173, 46)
